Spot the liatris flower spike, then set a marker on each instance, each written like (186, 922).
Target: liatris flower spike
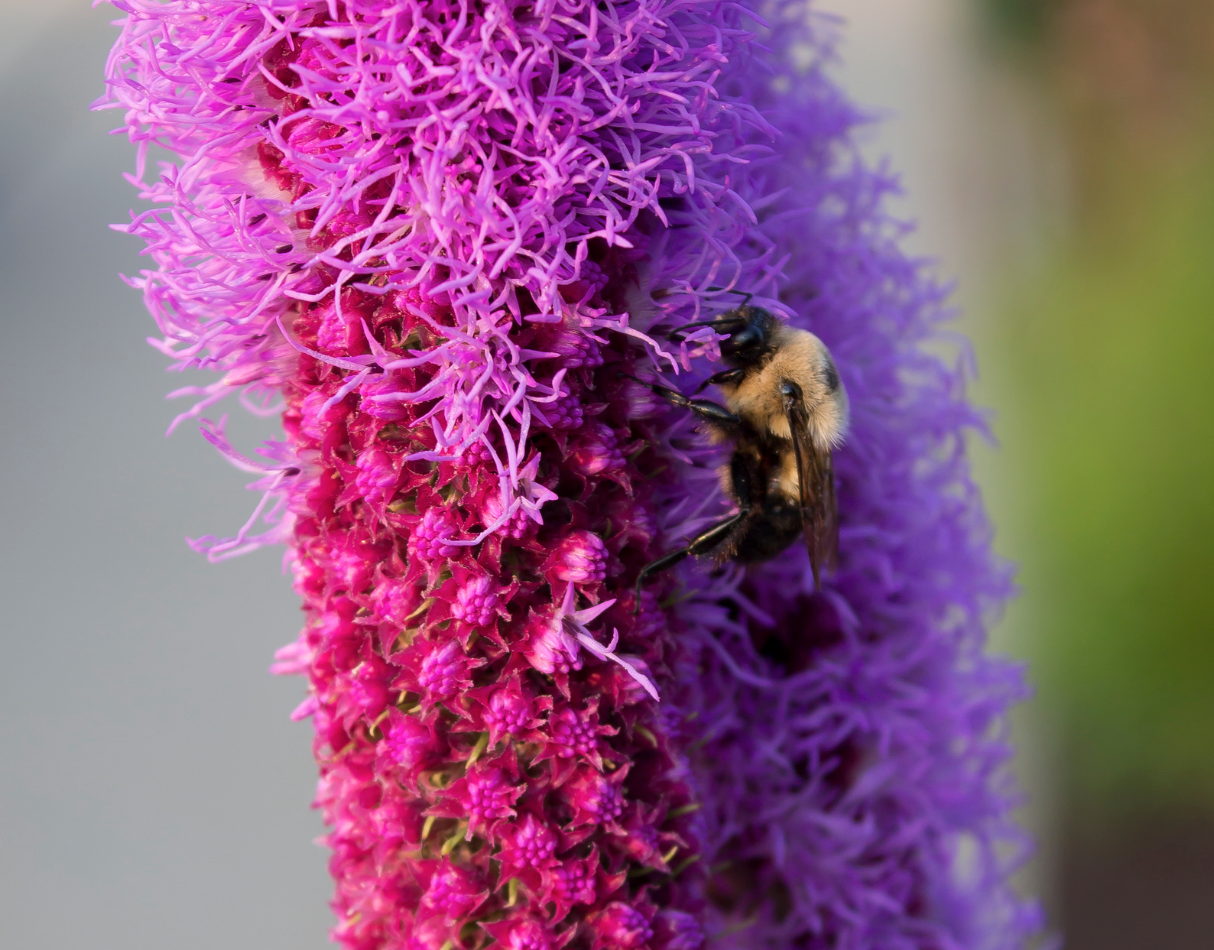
(445, 240)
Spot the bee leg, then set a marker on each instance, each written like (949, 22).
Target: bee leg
(711, 412)
(725, 376)
(702, 543)
(709, 538)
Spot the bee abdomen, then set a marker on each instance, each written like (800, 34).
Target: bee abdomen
(772, 531)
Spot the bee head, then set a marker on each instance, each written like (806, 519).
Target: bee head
(748, 333)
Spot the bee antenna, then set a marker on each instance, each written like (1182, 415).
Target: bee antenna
(730, 290)
(693, 326)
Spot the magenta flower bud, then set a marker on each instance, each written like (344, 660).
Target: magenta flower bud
(476, 602)
(484, 797)
(378, 401)
(644, 843)
(526, 933)
(563, 413)
(594, 797)
(475, 455)
(549, 647)
(517, 526)
(636, 525)
(511, 712)
(424, 934)
(352, 563)
(430, 538)
(529, 848)
(675, 930)
(575, 350)
(395, 600)
(369, 688)
(570, 883)
(580, 558)
(411, 744)
(572, 735)
(377, 477)
(575, 734)
(337, 334)
(596, 451)
(454, 893)
(317, 415)
(443, 671)
(620, 927)
(394, 826)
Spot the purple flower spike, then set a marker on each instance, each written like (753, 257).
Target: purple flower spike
(444, 240)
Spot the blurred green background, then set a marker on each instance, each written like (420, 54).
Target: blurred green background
(1098, 357)
(1105, 358)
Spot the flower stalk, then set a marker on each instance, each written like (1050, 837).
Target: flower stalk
(442, 240)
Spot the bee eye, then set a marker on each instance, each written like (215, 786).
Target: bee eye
(830, 376)
(745, 339)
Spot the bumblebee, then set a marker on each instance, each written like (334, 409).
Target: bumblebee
(785, 412)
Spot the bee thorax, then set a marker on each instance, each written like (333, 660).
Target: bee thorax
(798, 358)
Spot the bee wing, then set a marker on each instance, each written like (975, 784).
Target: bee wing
(816, 477)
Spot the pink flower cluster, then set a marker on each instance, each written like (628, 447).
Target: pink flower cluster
(477, 732)
(476, 740)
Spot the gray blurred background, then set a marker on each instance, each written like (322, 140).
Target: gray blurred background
(1058, 156)
(153, 791)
